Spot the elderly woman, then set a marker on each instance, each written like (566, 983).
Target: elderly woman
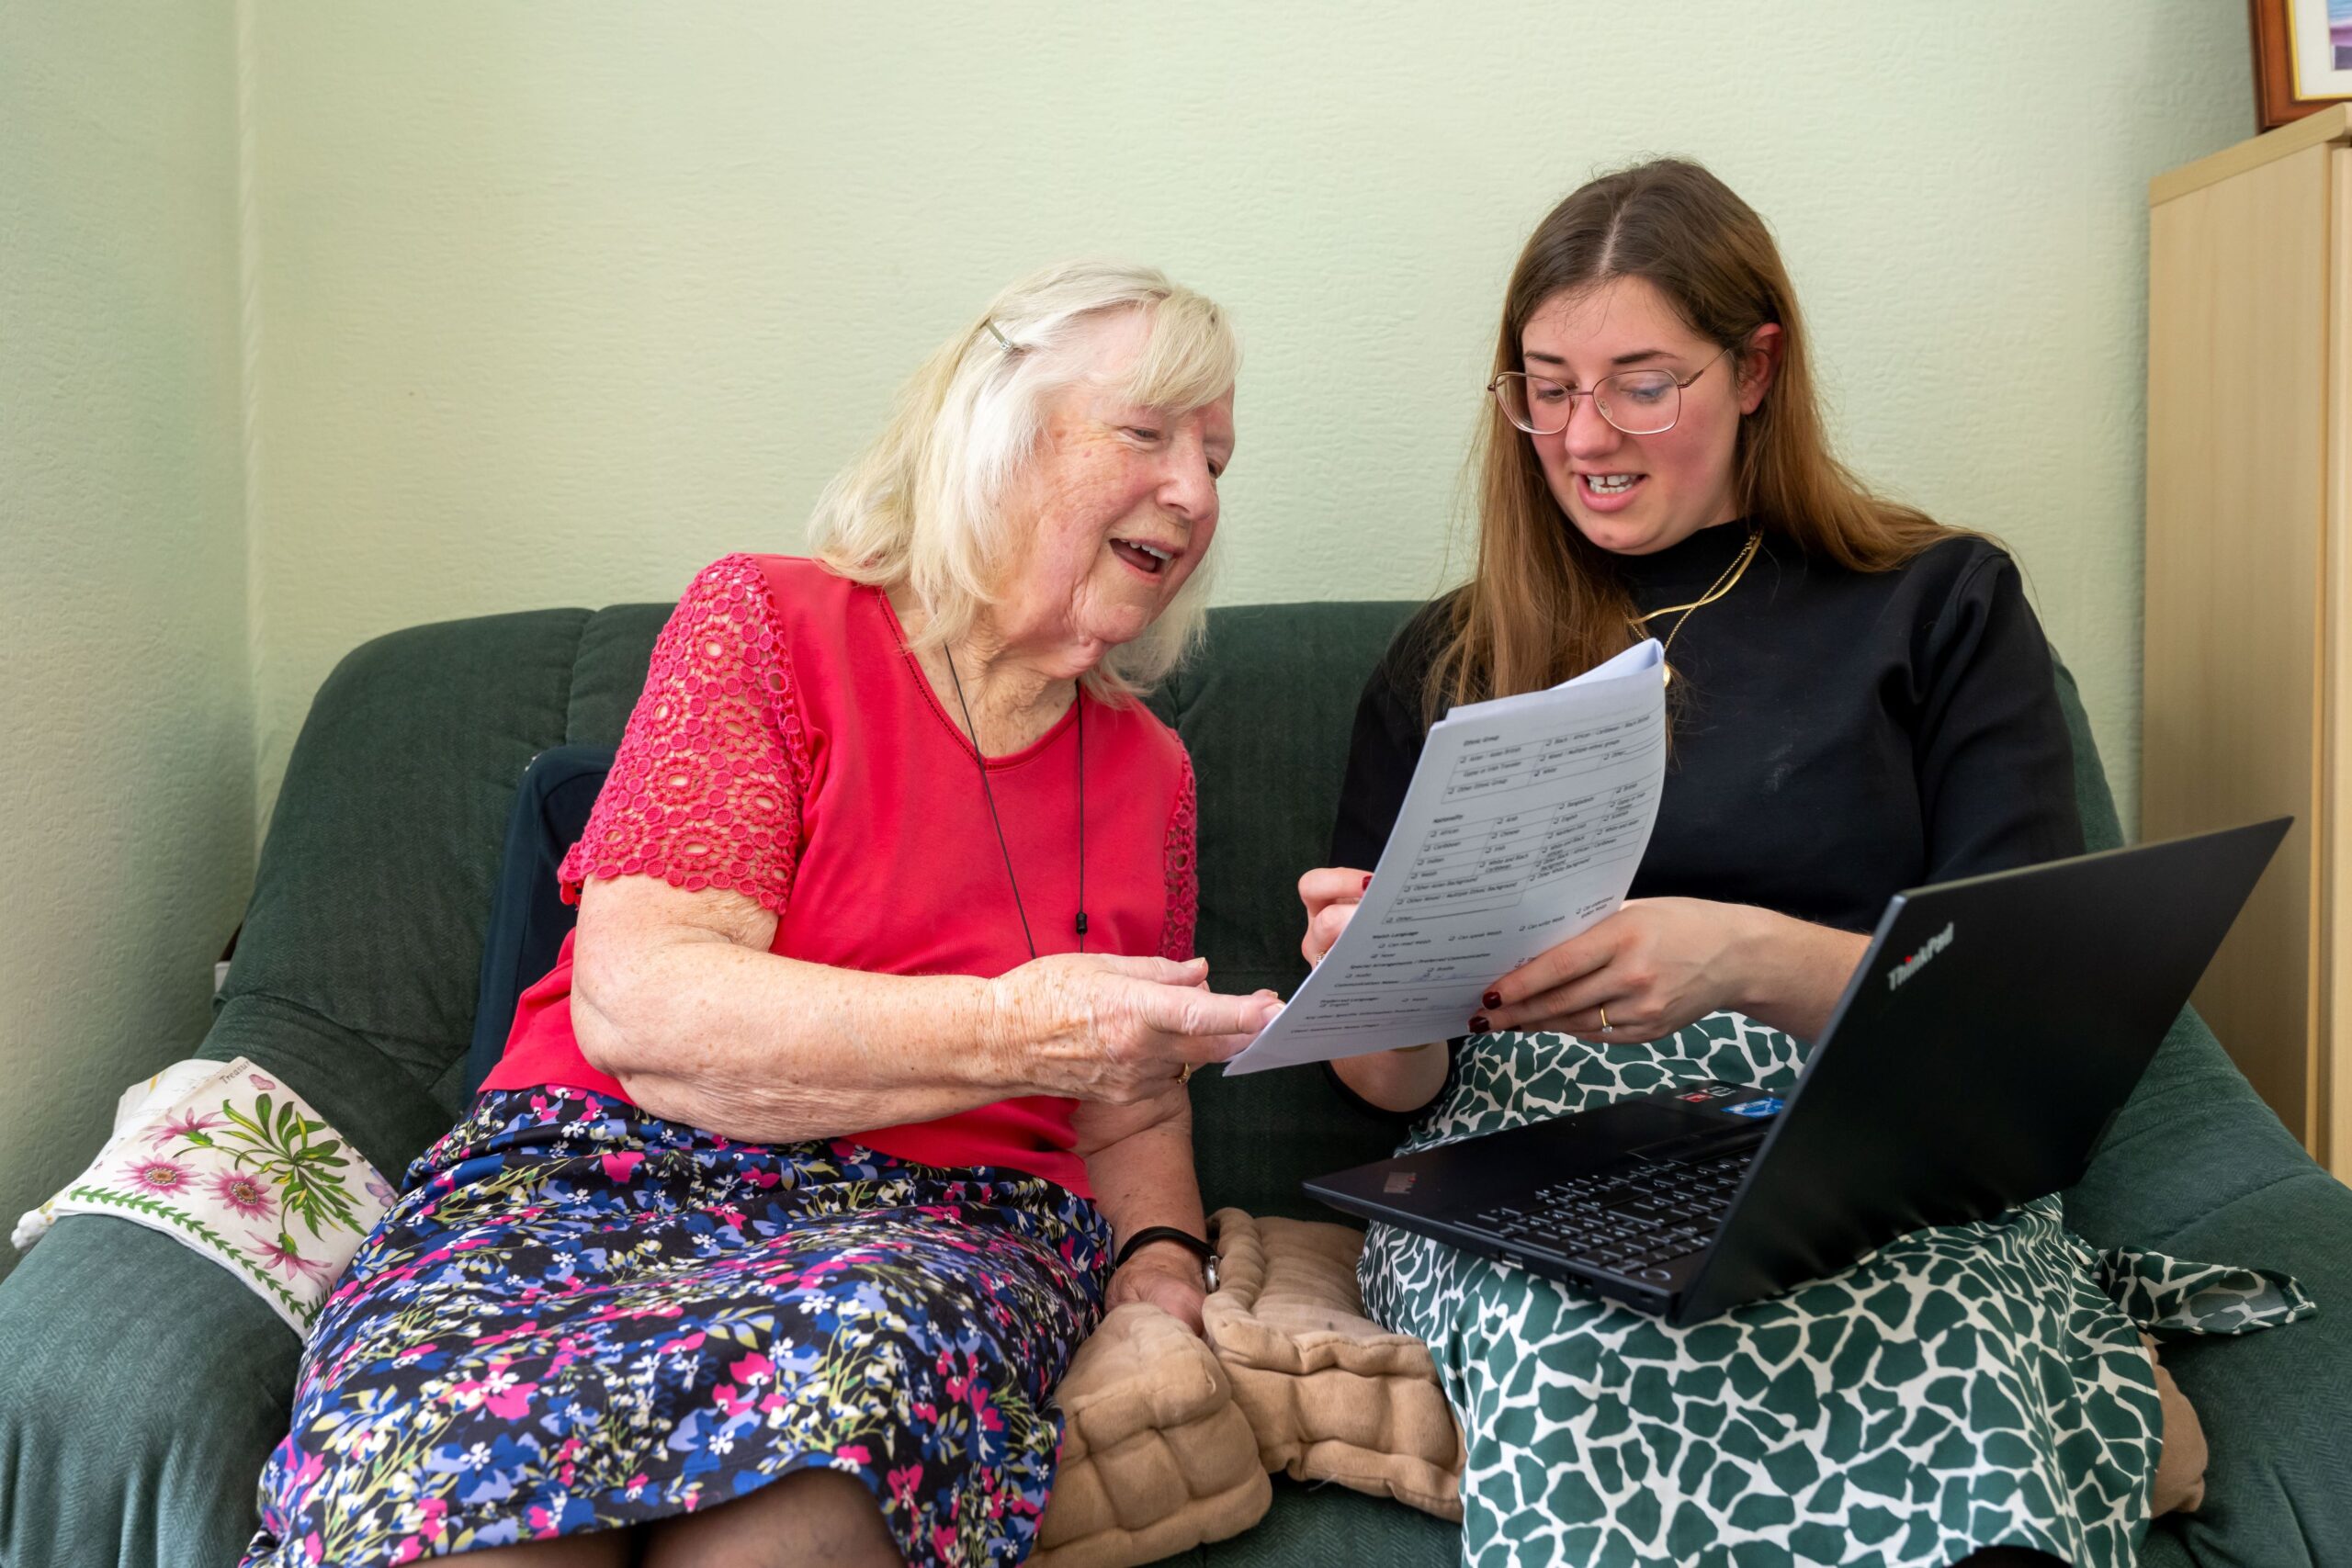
(859, 1091)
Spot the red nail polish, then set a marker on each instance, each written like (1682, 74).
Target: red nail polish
(1367, 881)
(1492, 998)
(1478, 1025)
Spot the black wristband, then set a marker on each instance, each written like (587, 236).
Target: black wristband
(1183, 1238)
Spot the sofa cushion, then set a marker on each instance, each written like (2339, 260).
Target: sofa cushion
(1155, 1456)
(1330, 1395)
(1330, 1527)
(388, 1115)
(615, 650)
(1266, 711)
(528, 919)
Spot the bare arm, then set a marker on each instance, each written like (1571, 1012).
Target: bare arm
(1798, 973)
(1139, 1159)
(675, 994)
(1403, 1080)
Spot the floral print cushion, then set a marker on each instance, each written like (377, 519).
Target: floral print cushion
(228, 1161)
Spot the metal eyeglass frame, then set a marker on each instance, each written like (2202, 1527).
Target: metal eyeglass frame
(1681, 385)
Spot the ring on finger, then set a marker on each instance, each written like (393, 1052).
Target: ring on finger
(1606, 1027)
(1185, 1075)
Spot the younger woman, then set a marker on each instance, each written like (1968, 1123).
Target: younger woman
(1862, 701)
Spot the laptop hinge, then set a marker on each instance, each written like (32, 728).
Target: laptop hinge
(1692, 1148)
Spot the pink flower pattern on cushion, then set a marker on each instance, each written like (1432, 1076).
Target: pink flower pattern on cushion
(1183, 874)
(705, 791)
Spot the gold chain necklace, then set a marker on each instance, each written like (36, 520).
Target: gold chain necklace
(1721, 586)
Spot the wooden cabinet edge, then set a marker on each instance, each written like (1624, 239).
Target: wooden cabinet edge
(2333, 123)
(2244, 277)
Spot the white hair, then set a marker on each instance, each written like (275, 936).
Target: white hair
(920, 508)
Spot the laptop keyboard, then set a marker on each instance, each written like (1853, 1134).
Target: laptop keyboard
(1629, 1223)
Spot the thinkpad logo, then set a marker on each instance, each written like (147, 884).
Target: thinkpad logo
(1912, 965)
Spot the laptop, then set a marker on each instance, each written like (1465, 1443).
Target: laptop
(1991, 1033)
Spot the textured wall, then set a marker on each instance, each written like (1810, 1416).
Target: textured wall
(555, 312)
(126, 781)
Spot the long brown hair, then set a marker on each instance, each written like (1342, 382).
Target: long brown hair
(1545, 603)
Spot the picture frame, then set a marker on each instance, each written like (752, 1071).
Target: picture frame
(2302, 57)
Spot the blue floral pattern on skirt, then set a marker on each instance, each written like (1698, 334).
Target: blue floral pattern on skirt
(580, 1316)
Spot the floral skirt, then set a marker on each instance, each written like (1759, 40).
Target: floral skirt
(1960, 1387)
(581, 1317)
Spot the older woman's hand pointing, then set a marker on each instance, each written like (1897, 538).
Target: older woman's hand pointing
(1102, 1027)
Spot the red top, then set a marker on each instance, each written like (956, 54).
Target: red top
(788, 747)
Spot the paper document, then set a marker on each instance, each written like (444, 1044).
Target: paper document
(1522, 827)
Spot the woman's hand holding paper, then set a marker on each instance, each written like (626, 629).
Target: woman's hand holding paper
(1659, 965)
(1332, 894)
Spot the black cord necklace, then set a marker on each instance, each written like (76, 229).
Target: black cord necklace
(1079, 700)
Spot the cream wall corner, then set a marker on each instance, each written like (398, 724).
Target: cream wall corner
(125, 781)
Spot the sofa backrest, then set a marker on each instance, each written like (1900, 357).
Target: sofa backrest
(375, 885)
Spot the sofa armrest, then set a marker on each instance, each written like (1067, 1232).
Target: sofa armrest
(143, 1385)
(2277, 1405)
(2194, 1135)
(2198, 1167)
(142, 1388)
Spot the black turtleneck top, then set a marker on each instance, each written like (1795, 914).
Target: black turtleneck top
(1838, 736)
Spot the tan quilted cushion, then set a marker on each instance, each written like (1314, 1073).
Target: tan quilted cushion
(1331, 1394)
(1155, 1458)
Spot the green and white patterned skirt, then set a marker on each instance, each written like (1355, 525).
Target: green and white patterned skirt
(1960, 1387)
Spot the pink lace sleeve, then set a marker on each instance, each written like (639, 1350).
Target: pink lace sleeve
(705, 789)
(1183, 877)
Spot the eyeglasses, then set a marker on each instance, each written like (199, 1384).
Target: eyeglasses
(1639, 402)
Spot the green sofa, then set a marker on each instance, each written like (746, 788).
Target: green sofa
(140, 1386)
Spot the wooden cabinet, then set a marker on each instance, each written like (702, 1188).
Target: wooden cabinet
(2248, 639)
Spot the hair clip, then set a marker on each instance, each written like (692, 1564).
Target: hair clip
(1002, 341)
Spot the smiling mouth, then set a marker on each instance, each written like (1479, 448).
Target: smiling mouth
(1147, 559)
(1610, 484)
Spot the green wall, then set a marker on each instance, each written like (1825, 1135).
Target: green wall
(556, 311)
(125, 775)
(322, 320)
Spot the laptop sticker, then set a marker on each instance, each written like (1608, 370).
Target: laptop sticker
(1764, 1107)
